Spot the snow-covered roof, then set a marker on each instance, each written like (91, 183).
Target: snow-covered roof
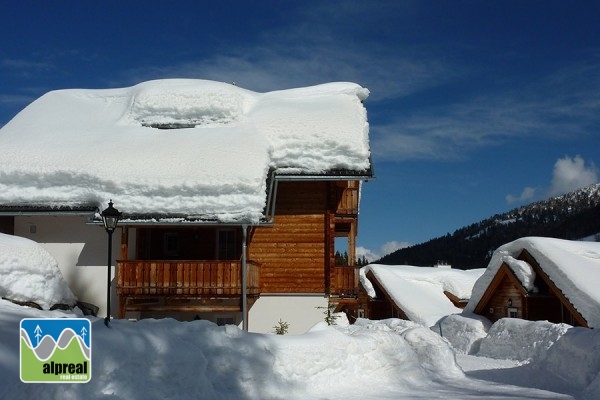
(89, 146)
(573, 266)
(419, 291)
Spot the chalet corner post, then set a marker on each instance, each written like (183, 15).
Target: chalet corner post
(110, 218)
(244, 279)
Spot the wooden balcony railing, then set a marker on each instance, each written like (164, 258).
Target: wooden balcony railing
(184, 278)
(345, 281)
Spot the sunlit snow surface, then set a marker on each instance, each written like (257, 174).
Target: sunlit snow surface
(94, 145)
(392, 359)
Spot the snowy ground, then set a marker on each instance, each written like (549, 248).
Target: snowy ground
(393, 359)
(463, 356)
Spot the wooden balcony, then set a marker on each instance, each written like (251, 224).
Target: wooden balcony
(192, 285)
(185, 278)
(345, 281)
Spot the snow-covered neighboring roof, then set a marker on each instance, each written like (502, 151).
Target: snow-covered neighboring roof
(89, 146)
(29, 273)
(419, 291)
(573, 266)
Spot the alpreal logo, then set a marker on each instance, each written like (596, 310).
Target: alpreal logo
(56, 350)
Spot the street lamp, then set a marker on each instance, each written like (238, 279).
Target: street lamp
(110, 218)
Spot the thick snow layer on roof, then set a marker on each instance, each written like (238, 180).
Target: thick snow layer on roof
(419, 291)
(573, 266)
(29, 273)
(95, 145)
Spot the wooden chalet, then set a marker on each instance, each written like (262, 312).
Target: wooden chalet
(198, 268)
(506, 296)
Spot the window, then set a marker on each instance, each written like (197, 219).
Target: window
(512, 312)
(226, 249)
(171, 244)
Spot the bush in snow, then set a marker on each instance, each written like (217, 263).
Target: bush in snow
(282, 327)
(28, 273)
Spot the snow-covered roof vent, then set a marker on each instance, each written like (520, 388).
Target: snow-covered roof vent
(176, 104)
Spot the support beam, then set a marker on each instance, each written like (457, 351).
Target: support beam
(124, 242)
(244, 279)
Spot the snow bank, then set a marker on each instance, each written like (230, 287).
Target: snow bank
(574, 359)
(29, 273)
(517, 339)
(573, 266)
(90, 146)
(391, 359)
(157, 359)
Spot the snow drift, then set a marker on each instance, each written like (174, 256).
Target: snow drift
(28, 273)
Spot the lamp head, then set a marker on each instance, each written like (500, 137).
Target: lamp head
(110, 217)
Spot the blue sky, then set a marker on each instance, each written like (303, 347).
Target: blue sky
(476, 107)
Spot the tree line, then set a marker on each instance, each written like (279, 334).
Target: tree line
(572, 216)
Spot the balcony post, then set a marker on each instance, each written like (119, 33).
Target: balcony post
(244, 280)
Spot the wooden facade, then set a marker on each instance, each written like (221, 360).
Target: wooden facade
(505, 296)
(191, 269)
(383, 305)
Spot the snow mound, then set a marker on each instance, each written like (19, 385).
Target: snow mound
(574, 361)
(517, 339)
(28, 273)
(463, 331)
(368, 354)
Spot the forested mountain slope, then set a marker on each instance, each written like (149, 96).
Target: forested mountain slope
(572, 216)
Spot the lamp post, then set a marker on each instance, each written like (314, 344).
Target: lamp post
(110, 218)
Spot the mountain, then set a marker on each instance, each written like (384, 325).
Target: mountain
(572, 216)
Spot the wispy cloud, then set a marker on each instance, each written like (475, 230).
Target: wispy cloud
(387, 248)
(25, 67)
(15, 99)
(527, 194)
(558, 106)
(279, 66)
(326, 42)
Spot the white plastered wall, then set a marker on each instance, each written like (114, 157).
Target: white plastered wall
(81, 251)
(301, 312)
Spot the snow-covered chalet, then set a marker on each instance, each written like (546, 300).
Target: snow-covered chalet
(216, 183)
(540, 278)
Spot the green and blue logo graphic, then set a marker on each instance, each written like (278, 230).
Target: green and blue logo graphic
(56, 350)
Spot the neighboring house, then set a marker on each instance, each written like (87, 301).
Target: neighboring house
(419, 294)
(537, 278)
(212, 180)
